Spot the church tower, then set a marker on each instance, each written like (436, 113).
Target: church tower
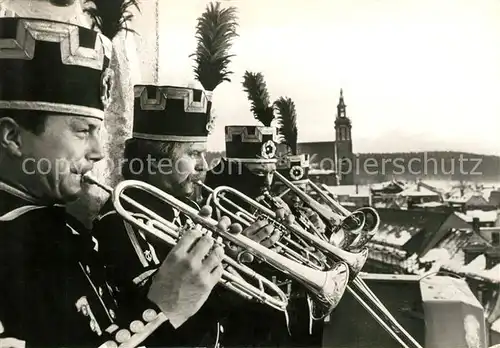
(343, 145)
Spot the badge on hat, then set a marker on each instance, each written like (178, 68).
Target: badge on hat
(296, 168)
(184, 113)
(251, 144)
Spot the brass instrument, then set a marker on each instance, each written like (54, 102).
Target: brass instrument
(354, 229)
(327, 286)
(303, 255)
(372, 221)
(355, 260)
(357, 287)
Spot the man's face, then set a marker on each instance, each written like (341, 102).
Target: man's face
(187, 166)
(265, 171)
(56, 159)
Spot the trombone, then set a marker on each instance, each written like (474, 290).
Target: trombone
(328, 286)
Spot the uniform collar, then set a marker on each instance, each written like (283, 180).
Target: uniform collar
(12, 198)
(19, 193)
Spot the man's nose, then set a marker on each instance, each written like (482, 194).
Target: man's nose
(96, 150)
(201, 164)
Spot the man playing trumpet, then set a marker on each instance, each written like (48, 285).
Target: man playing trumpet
(53, 287)
(248, 166)
(167, 150)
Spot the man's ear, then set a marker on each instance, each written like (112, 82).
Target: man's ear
(10, 136)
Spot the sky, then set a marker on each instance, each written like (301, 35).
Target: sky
(416, 74)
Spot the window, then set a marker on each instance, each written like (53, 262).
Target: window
(495, 238)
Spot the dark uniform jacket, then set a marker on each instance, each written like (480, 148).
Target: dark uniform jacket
(132, 257)
(53, 288)
(255, 324)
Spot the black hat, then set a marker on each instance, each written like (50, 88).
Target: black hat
(168, 113)
(295, 167)
(251, 144)
(180, 113)
(53, 66)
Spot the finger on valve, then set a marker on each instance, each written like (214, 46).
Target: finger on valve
(205, 211)
(272, 239)
(188, 239)
(203, 247)
(254, 227)
(223, 224)
(262, 234)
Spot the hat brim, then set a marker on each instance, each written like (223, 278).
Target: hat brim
(175, 138)
(253, 160)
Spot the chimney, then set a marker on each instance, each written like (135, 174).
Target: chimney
(497, 222)
(476, 225)
(418, 186)
(357, 189)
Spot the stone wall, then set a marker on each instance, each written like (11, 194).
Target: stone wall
(133, 61)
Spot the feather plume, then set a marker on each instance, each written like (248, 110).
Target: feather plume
(111, 16)
(215, 32)
(287, 117)
(256, 89)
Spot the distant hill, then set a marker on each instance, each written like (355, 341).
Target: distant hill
(435, 165)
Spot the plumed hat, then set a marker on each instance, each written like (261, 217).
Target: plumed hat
(184, 113)
(249, 143)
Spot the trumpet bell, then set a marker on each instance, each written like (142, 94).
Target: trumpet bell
(350, 229)
(336, 281)
(371, 225)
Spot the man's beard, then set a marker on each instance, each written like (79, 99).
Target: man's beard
(186, 188)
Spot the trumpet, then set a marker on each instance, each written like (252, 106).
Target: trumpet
(357, 286)
(244, 217)
(372, 221)
(354, 260)
(355, 229)
(328, 286)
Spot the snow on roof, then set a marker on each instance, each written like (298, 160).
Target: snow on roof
(475, 266)
(484, 216)
(415, 191)
(439, 255)
(349, 190)
(429, 204)
(321, 172)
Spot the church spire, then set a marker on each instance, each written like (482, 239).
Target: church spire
(341, 105)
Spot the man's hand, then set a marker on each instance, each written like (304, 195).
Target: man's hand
(282, 204)
(262, 231)
(315, 219)
(189, 273)
(265, 232)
